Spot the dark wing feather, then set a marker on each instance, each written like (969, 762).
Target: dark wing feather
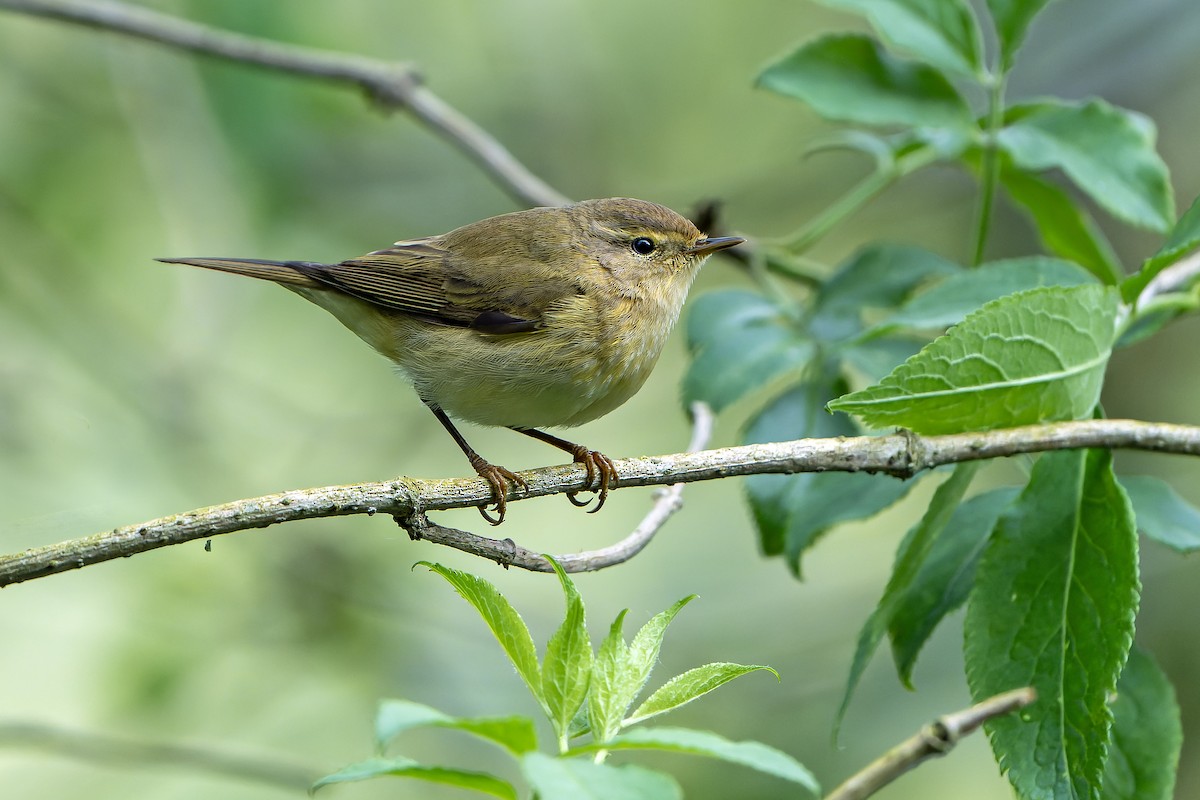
(425, 281)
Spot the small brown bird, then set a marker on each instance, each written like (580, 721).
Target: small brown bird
(539, 318)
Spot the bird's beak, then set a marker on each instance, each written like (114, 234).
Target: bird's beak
(712, 245)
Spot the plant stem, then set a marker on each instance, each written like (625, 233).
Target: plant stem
(856, 198)
(990, 168)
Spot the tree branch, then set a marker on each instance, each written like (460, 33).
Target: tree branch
(935, 739)
(392, 85)
(902, 455)
(669, 501)
(110, 750)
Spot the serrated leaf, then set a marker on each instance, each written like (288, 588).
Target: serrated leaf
(578, 779)
(850, 78)
(1162, 514)
(1029, 357)
(687, 686)
(878, 276)
(909, 559)
(1146, 735)
(397, 716)
(609, 684)
(567, 667)
(1107, 151)
(793, 511)
(943, 33)
(1011, 19)
(510, 630)
(1183, 239)
(946, 577)
(1053, 605)
(704, 743)
(1066, 229)
(407, 768)
(740, 342)
(643, 650)
(949, 301)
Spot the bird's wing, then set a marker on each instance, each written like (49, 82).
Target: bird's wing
(423, 280)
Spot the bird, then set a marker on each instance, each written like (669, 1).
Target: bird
(547, 317)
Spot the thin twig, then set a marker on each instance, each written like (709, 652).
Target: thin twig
(392, 85)
(507, 552)
(902, 455)
(935, 739)
(109, 750)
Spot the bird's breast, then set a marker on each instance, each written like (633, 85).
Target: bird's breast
(587, 359)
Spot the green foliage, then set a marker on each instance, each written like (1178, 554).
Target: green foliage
(1049, 572)
(1108, 152)
(1146, 736)
(1053, 607)
(704, 743)
(1030, 357)
(580, 692)
(851, 78)
(1162, 514)
(793, 511)
(739, 341)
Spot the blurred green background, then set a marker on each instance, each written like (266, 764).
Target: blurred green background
(130, 389)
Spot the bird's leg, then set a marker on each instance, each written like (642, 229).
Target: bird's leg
(601, 471)
(499, 478)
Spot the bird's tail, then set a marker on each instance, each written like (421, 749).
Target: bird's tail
(289, 273)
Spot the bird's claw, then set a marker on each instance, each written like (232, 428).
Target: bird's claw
(500, 480)
(601, 474)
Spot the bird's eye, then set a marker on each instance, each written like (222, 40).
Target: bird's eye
(643, 245)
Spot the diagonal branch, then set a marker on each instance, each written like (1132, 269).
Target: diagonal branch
(902, 455)
(392, 85)
(935, 739)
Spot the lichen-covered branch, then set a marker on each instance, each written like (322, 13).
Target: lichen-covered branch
(902, 455)
(392, 85)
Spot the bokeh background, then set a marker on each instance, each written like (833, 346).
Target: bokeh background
(130, 389)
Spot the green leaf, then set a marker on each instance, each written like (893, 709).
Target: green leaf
(1011, 19)
(578, 779)
(793, 511)
(1146, 736)
(567, 668)
(643, 651)
(407, 768)
(397, 716)
(945, 579)
(943, 33)
(1025, 358)
(879, 276)
(1053, 606)
(1107, 151)
(850, 78)
(1066, 229)
(703, 743)
(909, 558)
(687, 686)
(510, 630)
(1162, 514)
(1183, 239)
(951, 300)
(609, 684)
(740, 342)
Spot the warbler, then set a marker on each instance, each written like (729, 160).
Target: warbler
(549, 317)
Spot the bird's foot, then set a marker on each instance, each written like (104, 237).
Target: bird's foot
(601, 474)
(501, 480)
